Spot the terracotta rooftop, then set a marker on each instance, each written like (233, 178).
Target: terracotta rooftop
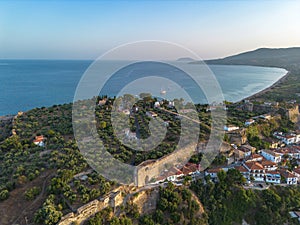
(268, 163)
(289, 136)
(254, 165)
(214, 170)
(255, 157)
(242, 169)
(286, 151)
(287, 174)
(297, 170)
(244, 150)
(189, 168)
(38, 138)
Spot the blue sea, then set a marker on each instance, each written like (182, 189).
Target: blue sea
(27, 84)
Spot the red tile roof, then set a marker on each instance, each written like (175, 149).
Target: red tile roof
(268, 163)
(297, 170)
(255, 156)
(286, 151)
(39, 138)
(189, 168)
(242, 169)
(254, 165)
(287, 174)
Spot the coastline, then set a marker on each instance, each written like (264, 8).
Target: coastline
(258, 94)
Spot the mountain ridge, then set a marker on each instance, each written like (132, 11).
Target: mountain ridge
(287, 58)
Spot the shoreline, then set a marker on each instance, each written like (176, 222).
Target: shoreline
(267, 89)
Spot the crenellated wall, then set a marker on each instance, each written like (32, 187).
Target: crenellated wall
(151, 169)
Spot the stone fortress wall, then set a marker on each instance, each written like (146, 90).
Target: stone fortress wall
(113, 199)
(149, 170)
(145, 172)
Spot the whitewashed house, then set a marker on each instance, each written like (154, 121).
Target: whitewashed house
(273, 177)
(231, 128)
(288, 139)
(249, 122)
(256, 170)
(292, 152)
(289, 177)
(39, 141)
(213, 172)
(269, 165)
(271, 155)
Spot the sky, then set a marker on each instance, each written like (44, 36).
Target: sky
(86, 29)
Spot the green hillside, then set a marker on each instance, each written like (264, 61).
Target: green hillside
(286, 89)
(281, 57)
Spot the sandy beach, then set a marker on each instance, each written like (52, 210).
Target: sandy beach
(258, 94)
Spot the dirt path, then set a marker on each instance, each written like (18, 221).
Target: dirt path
(16, 209)
(184, 116)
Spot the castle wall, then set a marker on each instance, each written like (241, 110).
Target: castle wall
(151, 169)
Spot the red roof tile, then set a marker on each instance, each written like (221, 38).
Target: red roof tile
(254, 165)
(242, 169)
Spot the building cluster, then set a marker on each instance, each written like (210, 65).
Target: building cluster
(176, 173)
(268, 165)
(288, 139)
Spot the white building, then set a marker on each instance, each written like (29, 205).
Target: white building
(243, 171)
(130, 135)
(256, 170)
(292, 152)
(287, 138)
(156, 104)
(249, 122)
(273, 177)
(230, 128)
(270, 155)
(39, 140)
(289, 177)
(213, 173)
(269, 165)
(296, 172)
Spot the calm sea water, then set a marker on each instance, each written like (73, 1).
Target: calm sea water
(26, 84)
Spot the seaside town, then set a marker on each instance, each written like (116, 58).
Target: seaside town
(260, 150)
(269, 160)
(277, 164)
(149, 112)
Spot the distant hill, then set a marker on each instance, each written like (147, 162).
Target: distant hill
(287, 88)
(280, 57)
(185, 59)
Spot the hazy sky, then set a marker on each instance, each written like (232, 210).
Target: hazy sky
(86, 29)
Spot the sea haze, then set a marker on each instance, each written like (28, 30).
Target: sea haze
(27, 84)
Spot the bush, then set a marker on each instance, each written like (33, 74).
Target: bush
(32, 193)
(4, 194)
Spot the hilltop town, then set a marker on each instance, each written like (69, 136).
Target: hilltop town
(260, 151)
